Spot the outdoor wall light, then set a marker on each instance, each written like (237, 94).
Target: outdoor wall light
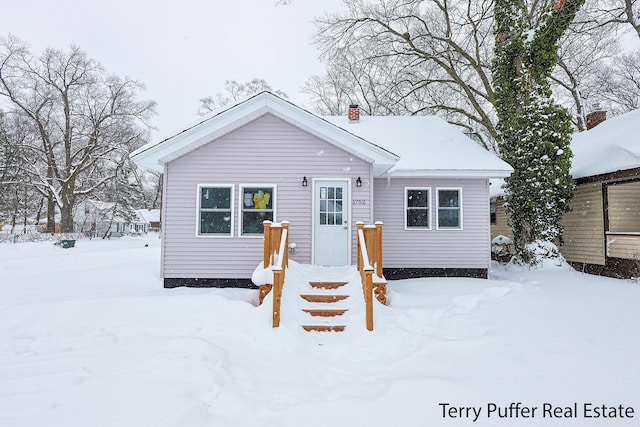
(358, 182)
(304, 181)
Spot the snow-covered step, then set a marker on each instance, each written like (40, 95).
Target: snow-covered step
(323, 328)
(325, 312)
(327, 285)
(322, 307)
(323, 298)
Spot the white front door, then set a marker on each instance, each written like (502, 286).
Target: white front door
(331, 222)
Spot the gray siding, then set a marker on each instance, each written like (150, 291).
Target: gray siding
(466, 248)
(584, 226)
(265, 151)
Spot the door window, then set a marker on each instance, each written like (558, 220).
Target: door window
(331, 209)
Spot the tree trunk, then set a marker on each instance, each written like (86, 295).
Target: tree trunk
(66, 217)
(51, 214)
(535, 133)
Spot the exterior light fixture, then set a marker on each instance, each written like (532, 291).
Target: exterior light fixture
(304, 181)
(358, 182)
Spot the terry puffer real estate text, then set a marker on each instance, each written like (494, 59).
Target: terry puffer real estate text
(545, 410)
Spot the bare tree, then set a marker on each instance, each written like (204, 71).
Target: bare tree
(86, 121)
(433, 56)
(17, 198)
(605, 13)
(620, 83)
(436, 53)
(235, 91)
(584, 53)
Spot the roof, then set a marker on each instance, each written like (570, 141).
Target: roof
(611, 146)
(148, 215)
(427, 146)
(420, 146)
(154, 155)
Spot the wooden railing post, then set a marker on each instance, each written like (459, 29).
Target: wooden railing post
(370, 241)
(378, 262)
(267, 244)
(285, 262)
(359, 226)
(277, 296)
(368, 298)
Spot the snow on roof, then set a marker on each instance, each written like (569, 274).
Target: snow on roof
(611, 146)
(102, 206)
(394, 145)
(154, 155)
(149, 215)
(427, 146)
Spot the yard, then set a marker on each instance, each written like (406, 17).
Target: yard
(88, 337)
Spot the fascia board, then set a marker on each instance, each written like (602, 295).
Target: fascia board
(449, 173)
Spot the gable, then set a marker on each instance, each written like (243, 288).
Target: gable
(418, 146)
(263, 148)
(156, 155)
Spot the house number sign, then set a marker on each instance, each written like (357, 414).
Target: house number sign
(359, 202)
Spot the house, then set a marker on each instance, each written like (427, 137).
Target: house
(267, 159)
(146, 220)
(96, 218)
(499, 219)
(602, 230)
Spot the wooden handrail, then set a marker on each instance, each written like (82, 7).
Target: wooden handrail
(276, 257)
(369, 250)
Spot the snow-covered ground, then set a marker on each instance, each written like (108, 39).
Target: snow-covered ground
(88, 337)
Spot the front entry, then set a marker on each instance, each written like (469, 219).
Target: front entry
(331, 222)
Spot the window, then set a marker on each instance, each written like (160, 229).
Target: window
(257, 206)
(331, 209)
(215, 215)
(417, 201)
(492, 212)
(449, 208)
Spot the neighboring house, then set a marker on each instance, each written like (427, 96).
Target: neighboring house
(146, 220)
(268, 159)
(498, 212)
(602, 232)
(95, 218)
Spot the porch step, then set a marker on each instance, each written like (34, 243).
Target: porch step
(327, 285)
(323, 328)
(323, 298)
(328, 319)
(325, 312)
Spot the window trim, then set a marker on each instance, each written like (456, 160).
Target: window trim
(274, 202)
(429, 208)
(198, 211)
(460, 208)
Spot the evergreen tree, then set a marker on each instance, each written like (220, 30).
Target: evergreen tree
(534, 132)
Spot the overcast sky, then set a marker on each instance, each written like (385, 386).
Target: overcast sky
(182, 50)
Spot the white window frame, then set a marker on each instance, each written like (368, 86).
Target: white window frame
(429, 207)
(460, 207)
(198, 211)
(274, 202)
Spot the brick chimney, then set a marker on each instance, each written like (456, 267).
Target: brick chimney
(597, 116)
(354, 113)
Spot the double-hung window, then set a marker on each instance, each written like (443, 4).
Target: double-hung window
(417, 208)
(449, 210)
(215, 210)
(257, 205)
